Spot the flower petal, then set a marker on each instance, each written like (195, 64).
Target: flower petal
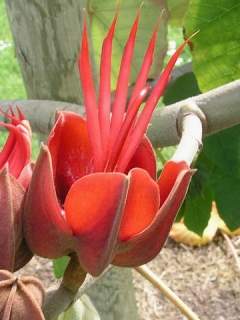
(168, 177)
(141, 206)
(45, 228)
(144, 158)
(70, 150)
(93, 209)
(146, 245)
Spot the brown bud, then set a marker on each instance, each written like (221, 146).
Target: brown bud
(20, 298)
(13, 250)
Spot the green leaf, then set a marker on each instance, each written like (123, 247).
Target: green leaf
(222, 152)
(181, 88)
(227, 193)
(215, 49)
(177, 11)
(197, 206)
(59, 266)
(101, 13)
(82, 309)
(217, 179)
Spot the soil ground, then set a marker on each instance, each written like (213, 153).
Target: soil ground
(206, 278)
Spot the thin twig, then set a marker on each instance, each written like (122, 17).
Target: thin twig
(232, 249)
(167, 292)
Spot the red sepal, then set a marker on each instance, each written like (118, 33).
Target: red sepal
(45, 227)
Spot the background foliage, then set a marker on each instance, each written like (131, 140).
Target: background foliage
(214, 52)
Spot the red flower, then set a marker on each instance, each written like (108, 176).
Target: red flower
(15, 174)
(94, 189)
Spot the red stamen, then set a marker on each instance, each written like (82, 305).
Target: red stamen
(12, 116)
(104, 103)
(11, 111)
(90, 100)
(127, 125)
(8, 147)
(16, 151)
(135, 136)
(21, 116)
(139, 93)
(120, 99)
(146, 65)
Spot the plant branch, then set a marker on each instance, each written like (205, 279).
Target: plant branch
(190, 123)
(232, 249)
(59, 298)
(167, 292)
(220, 106)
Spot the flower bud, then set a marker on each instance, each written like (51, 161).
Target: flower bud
(15, 174)
(20, 298)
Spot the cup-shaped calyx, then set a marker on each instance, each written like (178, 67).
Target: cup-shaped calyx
(94, 189)
(15, 174)
(20, 298)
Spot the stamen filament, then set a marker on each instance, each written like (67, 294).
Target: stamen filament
(104, 102)
(138, 95)
(146, 65)
(135, 136)
(90, 101)
(127, 125)
(120, 99)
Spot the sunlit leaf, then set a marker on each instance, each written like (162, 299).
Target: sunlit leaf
(215, 49)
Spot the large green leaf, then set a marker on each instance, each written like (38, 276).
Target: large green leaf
(217, 179)
(101, 13)
(177, 10)
(222, 152)
(198, 204)
(216, 50)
